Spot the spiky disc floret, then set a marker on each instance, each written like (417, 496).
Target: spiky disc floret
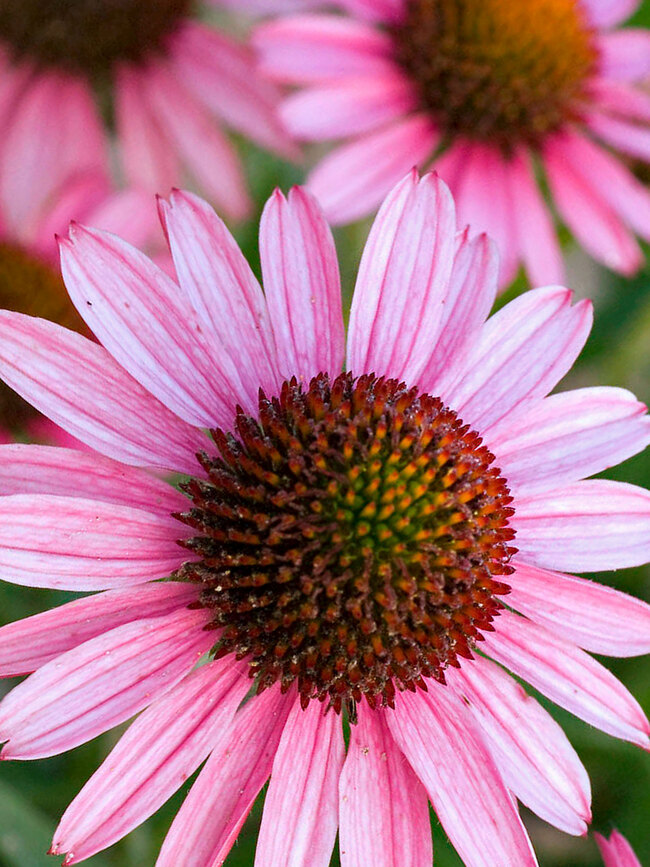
(349, 539)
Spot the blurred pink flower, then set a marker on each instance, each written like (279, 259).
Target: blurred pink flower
(347, 538)
(616, 851)
(493, 93)
(153, 71)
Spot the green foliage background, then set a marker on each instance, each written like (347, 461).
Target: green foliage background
(33, 795)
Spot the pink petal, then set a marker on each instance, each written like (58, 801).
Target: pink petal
(586, 527)
(302, 285)
(130, 213)
(300, 812)
(470, 295)
(81, 388)
(594, 223)
(536, 237)
(149, 157)
(439, 737)
(355, 177)
(349, 106)
(76, 544)
(403, 279)
(519, 355)
(616, 851)
(204, 149)
(568, 676)
(53, 133)
(607, 13)
(625, 54)
(207, 824)
(318, 48)
(223, 75)
(384, 811)
(385, 11)
(617, 98)
(160, 750)
(622, 135)
(100, 684)
(530, 749)
(595, 617)
(569, 436)
(222, 288)
(34, 469)
(28, 644)
(141, 317)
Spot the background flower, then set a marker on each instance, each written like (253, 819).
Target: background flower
(494, 95)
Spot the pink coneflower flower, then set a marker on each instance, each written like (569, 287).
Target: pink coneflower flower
(493, 92)
(616, 851)
(161, 77)
(374, 544)
(30, 276)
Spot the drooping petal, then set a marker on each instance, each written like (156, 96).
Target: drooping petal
(568, 676)
(222, 288)
(302, 286)
(207, 824)
(622, 135)
(569, 436)
(607, 13)
(520, 354)
(100, 684)
(355, 177)
(404, 274)
(625, 54)
(443, 744)
(140, 315)
(80, 387)
(77, 544)
(593, 616)
(27, 644)
(300, 812)
(160, 750)
(530, 749)
(64, 472)
(383, 808)
(586, 527)
(616, 851)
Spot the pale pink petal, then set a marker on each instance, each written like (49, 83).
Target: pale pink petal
(80, 387)
(621, 135)
(537, 240)
(131, 213)
(537, 762)
(348, 107)
(206, 152)
(77, 544)
(520, 354)
(443, 744)
(568, 676)
(300, 812)
(54, 132)
(318, 48)
(385, 11)
(607, 13)
(221, 286)
(355, 177)
(302, 286)
(160, 750)
(207, 824)
(383, 808)
(594, 223)
(616, 851)
(141, 316)
(585, 527)
(617, 98)
(100, 684)
(404, 274)
(34, 469)
(610, 179)
(595, 617)
(470, 296)
(569, 436)
(223, 76)
(625, 54)
(28, 644)
(149, 157)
